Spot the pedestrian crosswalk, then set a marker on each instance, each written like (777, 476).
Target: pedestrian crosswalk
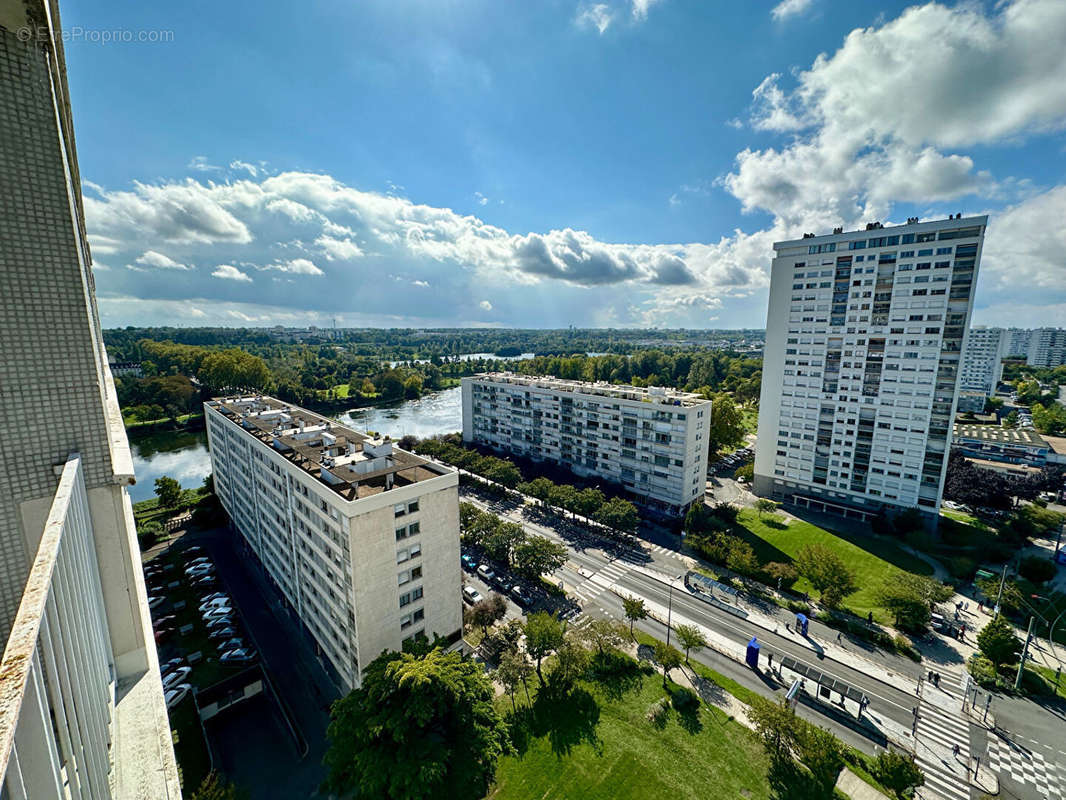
(941, 727)
(594, 586)
(658, 548)
(1012, 760)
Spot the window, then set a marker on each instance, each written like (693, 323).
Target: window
(416, 572)
(399, 509)
(412, 507)
(401, 533)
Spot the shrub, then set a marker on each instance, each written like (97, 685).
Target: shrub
(982, 671)
(1038, 569)
(797, 608)
(685, 700)
(747, 472)
(962, 567)
(999, 552)
(658, 711)
(904, 647)
(149, 533)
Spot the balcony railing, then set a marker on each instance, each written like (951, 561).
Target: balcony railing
(57, 678)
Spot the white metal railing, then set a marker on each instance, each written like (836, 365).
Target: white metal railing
(57, 675)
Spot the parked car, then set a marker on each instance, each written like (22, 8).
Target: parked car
(219, 622)
(469, 564)
(216, 612)
(155, 602)
(222, 632)
(235, 643)
(164, 622)
(177, 694)
(163, 634)
(472, 595)
(175, 677)
(217, 602)
(198, 561)
(199, 570)
(212, 596)
(204, 582)
(171, 665)
(194, 550)
(239, 656)
(520, 595)
(486, 572)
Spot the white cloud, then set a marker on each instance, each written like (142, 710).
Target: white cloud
(157, 260)
(231, 273)
(595, 15)
(251, 169)
(338, 249)
(485, 305)
(1024, 248)
(481, 199)
(421, 284)
(640, 8)
(201, 164)
(789, 8)
(296, 266)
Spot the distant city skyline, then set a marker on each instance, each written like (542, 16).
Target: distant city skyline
(617, 164)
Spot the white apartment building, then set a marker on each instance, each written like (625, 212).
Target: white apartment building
(1017, 344)
(981, 366)
(1047, 347)
(82, 711)
(860, 374)
(361, 538)
(653, 442)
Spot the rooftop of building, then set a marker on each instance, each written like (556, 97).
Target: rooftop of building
(1057, 444)
(998, 434)
(651, 394)
(354, 465)
(877, 229)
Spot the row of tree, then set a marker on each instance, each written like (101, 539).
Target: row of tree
(614, 513)
(449, 450)
(969, 484)
(508, 543)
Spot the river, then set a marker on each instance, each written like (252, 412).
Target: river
(184, 455)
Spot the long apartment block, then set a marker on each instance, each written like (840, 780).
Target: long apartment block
(982, 366)
(860, 376)
(653, 442)
(360, 537)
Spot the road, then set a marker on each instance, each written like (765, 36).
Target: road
(1028, 746)
(590, 558)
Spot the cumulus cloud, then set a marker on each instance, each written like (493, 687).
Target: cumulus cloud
(230, 273)
(338, 249)
(595, 15)
(201, 164)
(296, 266)
(1025, 245)
(154, 260)
(251, 169)
(640, 8)
(789, 8)
(485, 305)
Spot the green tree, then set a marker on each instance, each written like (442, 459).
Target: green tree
(911, 599)
(544, 635)
(727, 423)
(898, 772)
(634, 610)
(418, 727)
(776, 724)
(168, 491)
(827, 573)
(488, 612)
(669, 657)
(539, 555)
(514, 671)
(764, 505)
(148, 533)
(588, 502)
(502, 541)
(998, 642)
(618, 515)
(603, 635)
(367, 388)
(216, 787)
(690, 637)
(822, 753)
(412, 387)
(571, 661)
(741, 557)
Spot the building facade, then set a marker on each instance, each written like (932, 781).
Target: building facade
(652, 442)
(863, 340)
(359, 537)
(981, 367)
(996, 443)
(1047, 347)
(1017, 342)
(82, 713)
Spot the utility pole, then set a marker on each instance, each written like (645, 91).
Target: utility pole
(1025, 652)
(999, 595)
(670, 610)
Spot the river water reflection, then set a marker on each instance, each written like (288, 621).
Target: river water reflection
(184, 455)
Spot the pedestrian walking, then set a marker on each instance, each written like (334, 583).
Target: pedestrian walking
(955, 750)
(838, 636)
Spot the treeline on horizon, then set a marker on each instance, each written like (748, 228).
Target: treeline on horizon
(339, 373)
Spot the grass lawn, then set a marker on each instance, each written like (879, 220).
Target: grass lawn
(598, 744)
(872, 559)
(750, 417)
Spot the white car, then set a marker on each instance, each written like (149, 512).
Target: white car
(177, 694)
(216, 612)
(175, 677)
(472, 595)
(216, 602)
(202, 569)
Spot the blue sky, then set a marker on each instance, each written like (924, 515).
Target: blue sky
(625, 162)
